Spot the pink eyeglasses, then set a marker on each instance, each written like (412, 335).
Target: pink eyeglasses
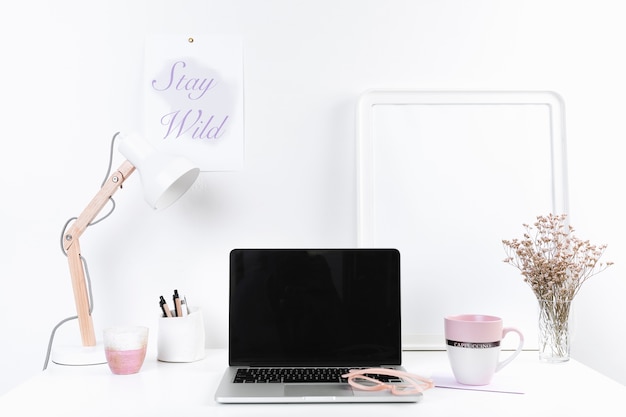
(411, 383)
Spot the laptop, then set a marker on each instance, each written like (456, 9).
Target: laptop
(313, 312)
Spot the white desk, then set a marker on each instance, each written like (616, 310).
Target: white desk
(186, 390)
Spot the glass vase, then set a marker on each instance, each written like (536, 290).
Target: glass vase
(554, 331)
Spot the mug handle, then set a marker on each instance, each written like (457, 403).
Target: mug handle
(508, 360)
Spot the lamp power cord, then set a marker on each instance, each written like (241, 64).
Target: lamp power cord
(83, 260)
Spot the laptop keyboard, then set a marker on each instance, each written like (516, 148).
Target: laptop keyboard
(299, 375)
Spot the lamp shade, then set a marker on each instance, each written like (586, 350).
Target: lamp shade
(164, 177)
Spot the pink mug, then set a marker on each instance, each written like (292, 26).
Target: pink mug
(473, 345)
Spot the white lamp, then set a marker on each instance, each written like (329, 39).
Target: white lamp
(164, 179)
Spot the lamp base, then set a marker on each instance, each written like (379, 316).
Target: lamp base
(79, 355)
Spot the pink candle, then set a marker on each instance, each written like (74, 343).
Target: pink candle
(125, 348)
(124, 362)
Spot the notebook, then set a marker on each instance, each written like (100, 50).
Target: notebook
(315, 311)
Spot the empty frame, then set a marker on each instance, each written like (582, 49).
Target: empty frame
(444, 176)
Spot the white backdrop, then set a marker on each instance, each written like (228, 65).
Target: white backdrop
(70, 74)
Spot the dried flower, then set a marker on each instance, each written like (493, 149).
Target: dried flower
(553, 261)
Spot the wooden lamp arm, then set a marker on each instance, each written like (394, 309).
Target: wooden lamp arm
(72, 247)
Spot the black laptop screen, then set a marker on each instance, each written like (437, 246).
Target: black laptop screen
(301, 307)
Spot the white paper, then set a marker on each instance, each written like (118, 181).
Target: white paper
(193, 98)
(500, 383)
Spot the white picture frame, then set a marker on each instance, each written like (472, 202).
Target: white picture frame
(444, 176)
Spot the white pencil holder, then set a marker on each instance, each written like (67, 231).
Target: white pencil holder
(181, 339)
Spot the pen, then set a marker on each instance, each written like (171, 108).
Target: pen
(186, 306)
(165, 308)
(177, 305)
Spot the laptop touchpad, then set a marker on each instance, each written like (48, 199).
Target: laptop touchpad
(317, 390)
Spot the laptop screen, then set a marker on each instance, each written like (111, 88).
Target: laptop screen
(314, 307)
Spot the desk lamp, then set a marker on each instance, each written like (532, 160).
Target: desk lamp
(164, 179)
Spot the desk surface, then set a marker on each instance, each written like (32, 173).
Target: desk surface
(167, 389)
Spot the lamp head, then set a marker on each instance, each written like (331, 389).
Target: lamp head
(164, 177)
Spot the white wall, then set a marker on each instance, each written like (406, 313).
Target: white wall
(70, 73)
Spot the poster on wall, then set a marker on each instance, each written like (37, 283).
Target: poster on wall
(193, 98)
